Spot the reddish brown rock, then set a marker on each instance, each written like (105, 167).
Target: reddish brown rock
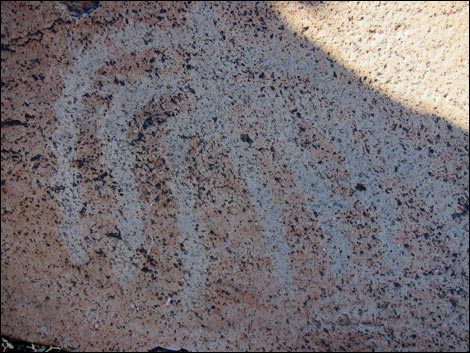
(207, 176)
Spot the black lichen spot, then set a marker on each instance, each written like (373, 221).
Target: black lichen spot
(29, 116)
(140, 138)
(12, 122)
(119, 82)
(7, 48)
(101, 177)
(81, 8)
(36, 158)
(39, 77)
(151, 260)
(463, 208)
(160, 349)
(148, 122)
(83, 210)
(360, 187)
(145, 269)
(246, 138)
(116, 234)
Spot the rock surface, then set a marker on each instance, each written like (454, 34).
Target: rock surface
(235, 176)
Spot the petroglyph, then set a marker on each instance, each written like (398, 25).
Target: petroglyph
(113, 122)
(112, 129)
(112, 126)
(207, 175)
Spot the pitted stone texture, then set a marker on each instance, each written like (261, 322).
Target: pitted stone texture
(201, 175)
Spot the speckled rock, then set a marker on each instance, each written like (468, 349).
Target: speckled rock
(235, 176)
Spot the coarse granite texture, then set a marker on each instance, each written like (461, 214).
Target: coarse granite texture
(224, 176)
